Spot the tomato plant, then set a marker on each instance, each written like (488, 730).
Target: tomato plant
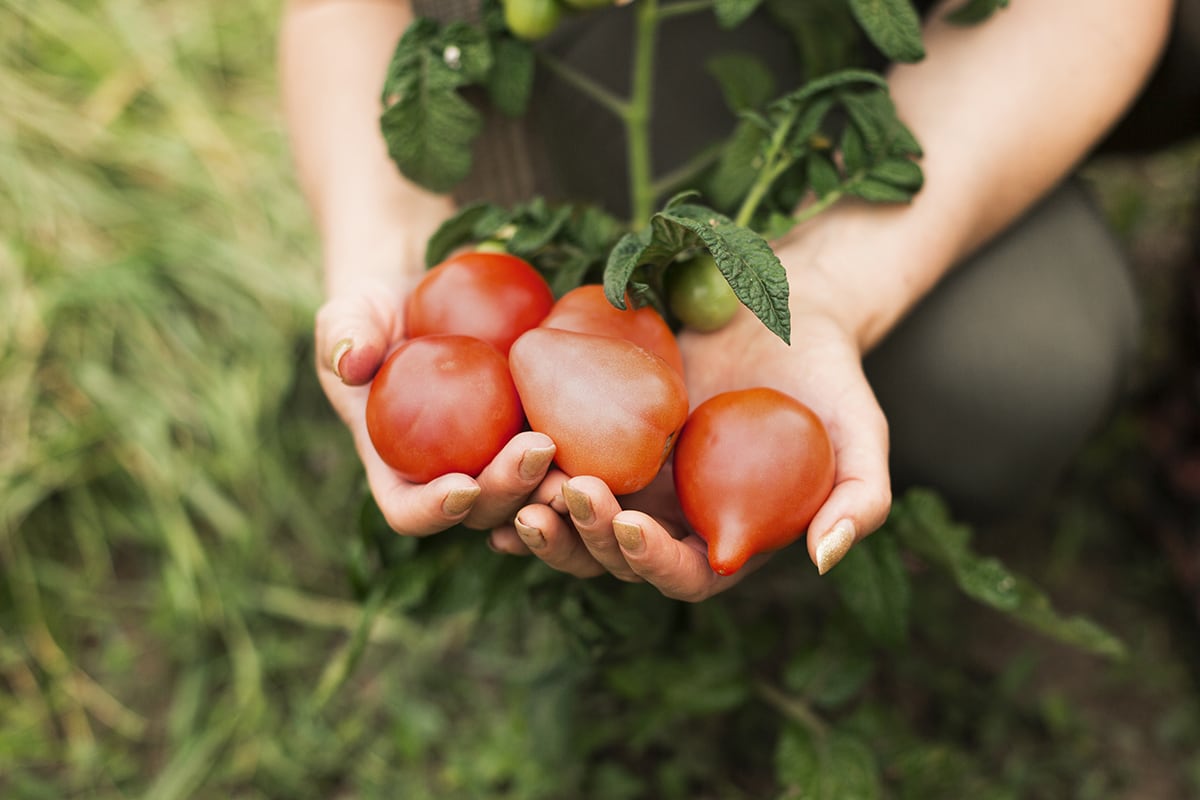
(532, 19)
(699, 295)
(612, 408)
(442, 404)
(490, 296)
(752, 468)
(586, 310)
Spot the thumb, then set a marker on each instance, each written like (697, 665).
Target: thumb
(356, 328)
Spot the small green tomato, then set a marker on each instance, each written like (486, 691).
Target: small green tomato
(699, 295)
(532, 19)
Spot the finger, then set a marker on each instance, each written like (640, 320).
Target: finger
(510, 478)
(552, 539)
(676, 567)
(862, 492)
(421, 509)
(549, 492)
(505, 539)
(592, 507)
(355, 329)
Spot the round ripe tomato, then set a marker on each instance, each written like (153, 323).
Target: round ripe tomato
(532, 19)
(490, 296)
(442, 404)
(699, 295)
(752, 468)
(613, 409)
(587, 310)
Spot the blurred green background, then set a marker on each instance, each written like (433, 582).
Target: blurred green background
(186, 607)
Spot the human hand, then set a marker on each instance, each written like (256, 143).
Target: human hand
(644, 536)
(360, 324)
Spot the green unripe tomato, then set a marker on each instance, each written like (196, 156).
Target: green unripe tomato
(699, 295)
(532, 19)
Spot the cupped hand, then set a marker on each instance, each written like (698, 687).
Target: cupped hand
(356, 329)
(578, 527)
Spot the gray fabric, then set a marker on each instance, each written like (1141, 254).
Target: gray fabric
(996, 379)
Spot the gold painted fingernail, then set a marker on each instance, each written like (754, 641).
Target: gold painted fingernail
(531, 536)
(339, 352)
(459, 501)
(629, 536)
(535, 461)
(578, 503)
(835, 545)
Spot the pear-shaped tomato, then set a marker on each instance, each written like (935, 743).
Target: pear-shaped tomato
(752, 468)
(442, 404)
(586, 310)
(490, 296)
(612, 408)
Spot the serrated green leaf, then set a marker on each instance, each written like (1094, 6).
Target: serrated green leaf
(854, 152)
(731, 13)
(899, 172)
(975, 11)
(923, 524)
(874, 191)
(427, 125)
(737, 167)
(823, 176)
(455, 232)
(622, 261)
(875, 588)
(746, 82)
(894, 26)
(786, 106)
(745, 259)
(510, 81)
(826, 766)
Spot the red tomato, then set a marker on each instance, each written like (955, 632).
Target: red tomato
(587, 310)
(442, 404)
(491, 296)
(752, 468)
(612, 408)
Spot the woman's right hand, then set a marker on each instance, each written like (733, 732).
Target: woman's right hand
(357, 327)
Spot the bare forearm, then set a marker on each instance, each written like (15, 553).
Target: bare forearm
(333, 58)
(1003, 110)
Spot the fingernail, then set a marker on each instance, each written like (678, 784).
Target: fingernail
(339, 352)
(531, 536)
(459, 501)
(578, 503)
(491, 543)
(835, 545)
(535, 461)
(629, 536)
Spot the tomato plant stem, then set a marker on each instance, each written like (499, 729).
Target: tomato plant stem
(775, 162)
(684, 7)
(597, 92)
(637, 120)
(792, 707)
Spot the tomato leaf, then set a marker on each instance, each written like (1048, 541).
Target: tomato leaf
(744, 258)
(737, 168)
(831, 674)
(826, 34)
(746, 82)
(625, 257)
(975, 11)
(731, 13)
(894, 26)
(460, 229)
(875, 589)
(427, 125)
(899, 172)
(875, 191)
(510, 81)
(826, 765)
(922, 523)
(823, 176)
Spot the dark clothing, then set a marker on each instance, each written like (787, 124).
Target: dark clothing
(993, 382)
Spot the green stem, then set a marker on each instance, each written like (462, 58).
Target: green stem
(618, 105)
(637, 120)
(687, 171)
(776, 162)
(794, 708)
(808, 212)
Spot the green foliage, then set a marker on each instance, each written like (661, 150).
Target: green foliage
(975, 11)
(894, 26)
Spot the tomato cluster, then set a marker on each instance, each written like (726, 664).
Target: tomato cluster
(489, 350)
